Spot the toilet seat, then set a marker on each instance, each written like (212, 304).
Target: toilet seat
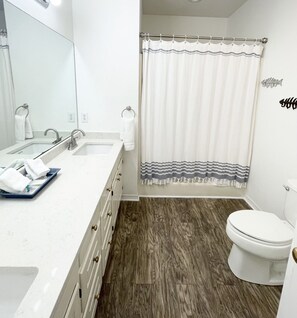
(262, 226)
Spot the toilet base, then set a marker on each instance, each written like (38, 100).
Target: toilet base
(254, 269)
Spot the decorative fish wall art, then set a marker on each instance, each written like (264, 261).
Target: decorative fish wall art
(272, 82)
(289, 102)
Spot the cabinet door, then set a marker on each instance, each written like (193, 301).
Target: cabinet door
(117, 190)
(74, 307)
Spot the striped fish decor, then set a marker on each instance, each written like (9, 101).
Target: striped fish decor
(271, 82)
(289, 102)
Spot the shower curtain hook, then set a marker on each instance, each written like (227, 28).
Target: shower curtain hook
(160, 37)
(185, 39)
(244, 43)
(173, 38)
(198, 38)
(233, 39)
(210, 39)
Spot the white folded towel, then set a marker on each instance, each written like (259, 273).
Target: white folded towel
(20, 127)
(28, 128)
(13, 181)
(36, 168)
(128, 133)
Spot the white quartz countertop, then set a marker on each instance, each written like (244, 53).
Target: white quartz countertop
(46, 232)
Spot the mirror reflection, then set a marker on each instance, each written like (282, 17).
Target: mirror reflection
(37, 86)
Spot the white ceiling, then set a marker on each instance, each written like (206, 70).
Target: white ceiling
(205, 8)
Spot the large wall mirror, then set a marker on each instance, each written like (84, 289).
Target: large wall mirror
(37, 71)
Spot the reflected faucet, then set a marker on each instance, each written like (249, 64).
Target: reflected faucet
(73, 144)
(58, 138)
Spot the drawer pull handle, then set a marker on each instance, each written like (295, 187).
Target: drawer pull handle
(95, 227)
(120, 174)
(108, 189)
(119, 179)
(109, 214)
(96, 297)
(96, 259)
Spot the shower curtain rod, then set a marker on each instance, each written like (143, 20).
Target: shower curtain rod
(203, 37)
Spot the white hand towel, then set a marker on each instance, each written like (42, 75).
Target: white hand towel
(20, 127)
(28, 128)
(13, 181)
(128, 133)
(36, 168)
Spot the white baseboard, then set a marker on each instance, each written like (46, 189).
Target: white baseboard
(130, 197)
(191, 197)
(251, 203)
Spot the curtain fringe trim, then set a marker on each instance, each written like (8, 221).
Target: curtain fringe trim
(213, 181)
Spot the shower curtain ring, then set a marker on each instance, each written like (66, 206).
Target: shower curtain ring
(244, 43)
(161, 37)
(198, 38)
(210, 39)
(173, 38)
(185, 38)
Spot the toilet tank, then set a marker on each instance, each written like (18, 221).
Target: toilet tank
(291, 203)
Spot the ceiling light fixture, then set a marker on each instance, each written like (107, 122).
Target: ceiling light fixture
(194, 1)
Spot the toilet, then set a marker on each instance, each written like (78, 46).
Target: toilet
(262, 242)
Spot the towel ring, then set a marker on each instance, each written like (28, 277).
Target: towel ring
(25, 106)
(129, 109)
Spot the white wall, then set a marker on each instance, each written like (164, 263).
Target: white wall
(275, 147)
(156, 24)
(106, 36)
(43, 71)
(57, 18)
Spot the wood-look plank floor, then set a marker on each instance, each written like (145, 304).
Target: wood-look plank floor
(169, 260)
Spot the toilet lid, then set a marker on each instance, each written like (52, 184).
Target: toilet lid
(261, 225)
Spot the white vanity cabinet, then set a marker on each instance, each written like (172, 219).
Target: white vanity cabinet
(80, 300)
(117, 188)
(74, 307)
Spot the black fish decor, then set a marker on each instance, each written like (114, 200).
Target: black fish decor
(289, 102)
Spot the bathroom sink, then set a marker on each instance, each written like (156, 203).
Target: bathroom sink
(14, 284)
(32, 148)
(93, 149)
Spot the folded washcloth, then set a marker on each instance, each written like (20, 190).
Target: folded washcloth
(13, 181)
(36, 168)
(28, 129)
(20, 127)
(128, 133)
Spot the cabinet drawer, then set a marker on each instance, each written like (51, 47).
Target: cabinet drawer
(94, 295)
(106, 245)
(116, 199)
(93, 229)
(74, 308)
(106, 215)
(90, 267)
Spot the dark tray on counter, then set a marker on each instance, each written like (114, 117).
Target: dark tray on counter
(31, 194)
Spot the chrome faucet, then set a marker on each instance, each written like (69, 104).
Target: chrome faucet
(58, 138)
(73, 144)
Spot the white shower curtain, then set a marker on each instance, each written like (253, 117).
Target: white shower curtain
(7, 99)
(197, 112)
